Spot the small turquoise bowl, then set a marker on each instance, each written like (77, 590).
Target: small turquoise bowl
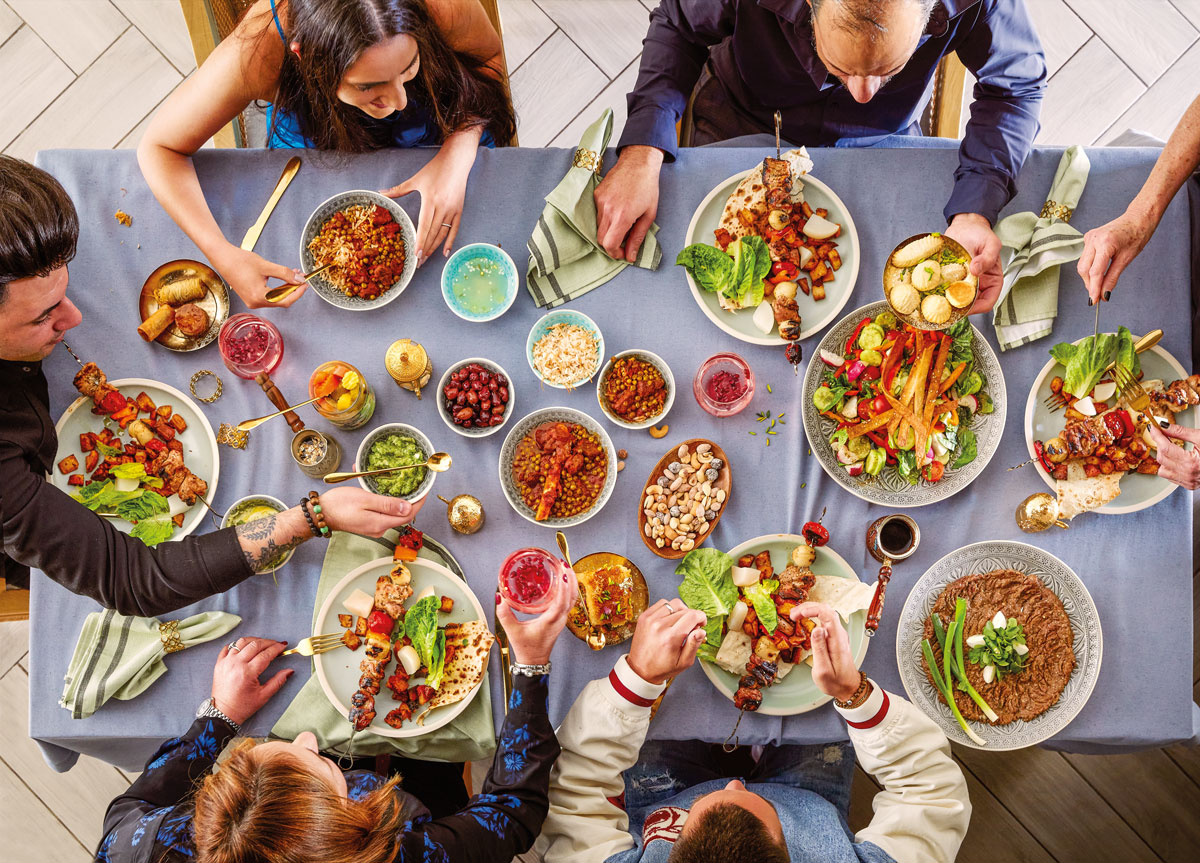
(456, 268)
(564, 316)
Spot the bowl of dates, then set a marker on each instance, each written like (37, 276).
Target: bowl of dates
(475, 397)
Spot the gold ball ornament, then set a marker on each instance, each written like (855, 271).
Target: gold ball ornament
(464, 512)
(1038, 512)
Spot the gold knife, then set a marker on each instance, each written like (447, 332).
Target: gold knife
(505, 673)
(285, 178)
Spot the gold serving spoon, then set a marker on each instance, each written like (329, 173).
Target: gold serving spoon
(595, 637)
(246, 425)
(438, 463)
(281, 293)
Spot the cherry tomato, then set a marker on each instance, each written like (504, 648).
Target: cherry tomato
(878, 405)
(380, 622)
(933, 471)
(872, 373)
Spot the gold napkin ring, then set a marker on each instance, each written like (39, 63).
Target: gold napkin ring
(589, 159)
(201, 374)
(169, 633)
(232, 436)
(1055, 210)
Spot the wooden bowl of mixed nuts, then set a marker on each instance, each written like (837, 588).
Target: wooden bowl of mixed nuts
(684, 498)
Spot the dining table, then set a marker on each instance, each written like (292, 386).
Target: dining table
(1137, 567)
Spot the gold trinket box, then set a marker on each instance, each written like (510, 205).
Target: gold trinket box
(409, 365)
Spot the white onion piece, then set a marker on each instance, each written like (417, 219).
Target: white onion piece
(359, 603)
(408, 659)
(428, 591)
(744, 576)
(999, 621)
(738, 616)
(1021, 649)
(989, 673)
(975, 641)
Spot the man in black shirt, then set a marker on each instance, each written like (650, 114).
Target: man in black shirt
(40, 525)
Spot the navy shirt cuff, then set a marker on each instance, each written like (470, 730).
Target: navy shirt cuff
(978, 193)
(654, 127)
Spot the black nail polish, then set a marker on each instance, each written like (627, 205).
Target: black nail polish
(1107, 294)
(1089, 301)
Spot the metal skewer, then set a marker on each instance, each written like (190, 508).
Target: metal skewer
(72, 353)
(778, 125)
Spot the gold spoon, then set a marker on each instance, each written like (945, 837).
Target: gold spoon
(438, 463)
(281, 293)
(595, 637)
(246, 425)
(1038, 512)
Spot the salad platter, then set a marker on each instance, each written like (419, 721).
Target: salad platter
(731, 280)
(868, 436)
(341, 672)
(1017, 595)
(773, 565)
(1133, 490)
(164, 425)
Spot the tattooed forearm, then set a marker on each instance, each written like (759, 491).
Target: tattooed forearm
(265, 540)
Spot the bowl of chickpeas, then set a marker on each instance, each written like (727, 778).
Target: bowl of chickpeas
(636, 389)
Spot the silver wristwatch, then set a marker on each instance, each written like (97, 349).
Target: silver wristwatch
(208, 710)
(529, 670)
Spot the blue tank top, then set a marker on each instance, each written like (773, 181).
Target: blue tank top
(412, 127)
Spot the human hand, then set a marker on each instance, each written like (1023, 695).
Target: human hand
(833, 664)
(1176, 464)
(627, 201)
(666, 639)
(531, 641)
(247, 274)
(974, 233)
(236, 690)
(442, 184)
(357, 510)
(1107, 251)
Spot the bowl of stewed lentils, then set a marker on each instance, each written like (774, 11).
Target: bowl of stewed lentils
(475, 397)
(636, 389)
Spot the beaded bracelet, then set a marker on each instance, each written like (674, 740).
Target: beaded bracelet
(312, 525)
(318, 516)
(860, 694)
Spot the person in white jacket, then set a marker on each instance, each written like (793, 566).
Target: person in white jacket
(613, 799)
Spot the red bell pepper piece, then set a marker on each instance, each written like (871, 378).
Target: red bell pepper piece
(854, 335)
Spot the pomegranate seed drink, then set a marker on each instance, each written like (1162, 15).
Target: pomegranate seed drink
(530, 579)
(723, 385)
(250, 346)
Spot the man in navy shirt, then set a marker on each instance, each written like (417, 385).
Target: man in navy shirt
(841, 72)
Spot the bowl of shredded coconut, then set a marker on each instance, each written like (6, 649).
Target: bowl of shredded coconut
(565, 349)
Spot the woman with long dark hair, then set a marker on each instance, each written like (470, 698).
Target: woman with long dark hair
(344, 75)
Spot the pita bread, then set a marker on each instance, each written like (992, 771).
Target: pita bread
(734, 652)
(843, 595)
(464, 670)
(751, 193)
(1084, 494)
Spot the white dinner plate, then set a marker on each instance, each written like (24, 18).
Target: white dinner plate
(814, 314)
(200, 453)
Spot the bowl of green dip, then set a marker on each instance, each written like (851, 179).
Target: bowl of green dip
(252, 508)
(392, 445)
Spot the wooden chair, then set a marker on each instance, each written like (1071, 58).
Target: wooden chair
(14, 604)
(210, 21)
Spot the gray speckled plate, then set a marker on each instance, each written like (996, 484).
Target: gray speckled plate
(889, 488)
(1054, 574)
(527, 425)
(325, 289)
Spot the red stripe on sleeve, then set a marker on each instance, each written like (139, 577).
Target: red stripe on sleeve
(627, 693)
(877, 718)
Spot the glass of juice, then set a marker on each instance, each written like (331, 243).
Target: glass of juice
(347, 400)
(724, 384)
(530, 578)
(250, 345)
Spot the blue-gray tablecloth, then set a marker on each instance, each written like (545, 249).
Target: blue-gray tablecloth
(1137, 567)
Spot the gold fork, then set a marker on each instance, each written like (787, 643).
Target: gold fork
(315, 644)
(1134, 393)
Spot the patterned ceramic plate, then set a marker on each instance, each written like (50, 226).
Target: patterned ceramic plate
(796, 693)
(1138, 491)
(338, 670)
(325, 289)
(526, 426)
(814, 314)
(1054, 574)
(889, 488)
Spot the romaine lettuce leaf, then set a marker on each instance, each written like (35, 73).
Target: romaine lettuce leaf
(751, 264)
(764, 606)
(154, 530)
(714, 631)
(711, 268)
(1084, 363)
(906, 466)
(420, 625)
(966, 447)
(707, 581)
(436, 665)
(146, 504)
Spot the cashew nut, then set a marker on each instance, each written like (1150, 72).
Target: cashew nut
(659, 431)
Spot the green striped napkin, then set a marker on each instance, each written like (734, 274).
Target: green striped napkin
(118, 656)
(469, 737)
(1033, 247)
(565, 261)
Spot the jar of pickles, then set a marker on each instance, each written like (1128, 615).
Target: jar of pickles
(346, 399)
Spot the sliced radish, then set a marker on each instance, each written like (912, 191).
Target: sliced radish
(764, 317)
(1104, 391)
(850, 408)
(834, 361)
(855, 469)
(969, 402)
(844, 456)
(1086, 406)
(819, 228)
(855, 371)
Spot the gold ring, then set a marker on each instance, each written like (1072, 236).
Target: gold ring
(198, 376)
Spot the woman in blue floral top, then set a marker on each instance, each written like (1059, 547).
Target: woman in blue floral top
(278, 801)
